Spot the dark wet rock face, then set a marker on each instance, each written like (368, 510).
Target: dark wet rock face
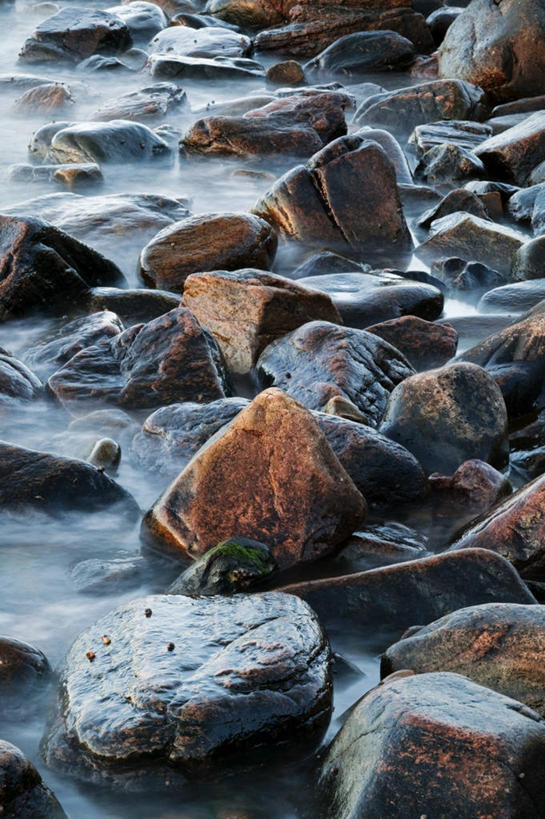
(513, 154)
(95, 576)
(271, 453)
(17, 382)
(169, 359)
(22, 792)
(448, 415)
(213, 241)
(466, 277)
(515, 529)
(148, 105)
(494, 644)
(167, 67)
(115, 141)
(42, 268)
(196, 681)
(416, 744)
(292, 125)
(417, 591)
(74, 34)
(233, 566)
(273, 306)
(172, 435)
(53, 484)
(356, 54)
(23, 671)
(498, 46)
(309, 202)
(320, 360)
(423, 343)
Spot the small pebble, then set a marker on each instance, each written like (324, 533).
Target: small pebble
(148, 612)
(90, 656)
(106, 640)
(170, 647)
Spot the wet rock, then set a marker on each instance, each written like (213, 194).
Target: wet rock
(495, 645)
(434, 745)
(71, 176)
(212, 41)
(513, 154)
(210, 241)
(310, 202)
(403, 109)
(272, 452)
(464, 134)
(459, 199)
(315, 28)
(320, 360)
(357, 54)
(383, 471)
(292, 125)
(23, 672)
(466, 277)
(497, 46)
(514, 529)
(44, 99)
(73, 34)
(448, 163)
(143, 20)
(133, 306)
(273, 306)
(522, 204)
(289, 72)
(365, 298)
(199, 68)
(170, 436)
(514, 298)
(472, 329)
(530, 260)
(236, 565)
(474, 488)
(262, 658)
(474, 239)
(42, 268)
(418, 591)
(117, 225)
(96, 576)
(105, 454)
(393, 150)
(381, 544)
(441, 20)
(17, 382)
(169, 359)
(114, 141)
(448, 416)
(49, 354)
(423, 343)
(54, 484)
(22, 792)
(325, 263)
(100, 63)
(151, 104)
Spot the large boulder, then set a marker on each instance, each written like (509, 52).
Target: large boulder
(271, 453)
(210, 41)
(436, 745)
(424, 344)
(498, 46)
(211, 241)
(152, 104)
(513, 154)
(167, 360)
(494, 644)
(17, 382)
(413, 592)
(182, 685)
(403, 109)
(515, 529)
(116, 141)
(53, 484)
(23, 795)
(345, 197)
(74, 34)
(355, 55)
(447, 416)
(273, 306)
(42, 268)
(320, 360)
(294, 125)
(23, 672)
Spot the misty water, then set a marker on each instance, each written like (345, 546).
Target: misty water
(39, 602)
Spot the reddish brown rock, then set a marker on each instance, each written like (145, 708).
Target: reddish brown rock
(244, 482)
(44, 98)
(513, 154)
(475, 487)
(497, 644)
(211, 241)
(272, 307)
(435, 745)
(514, 529)
(423, 343)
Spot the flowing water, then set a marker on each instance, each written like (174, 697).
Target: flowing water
(40, 603)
